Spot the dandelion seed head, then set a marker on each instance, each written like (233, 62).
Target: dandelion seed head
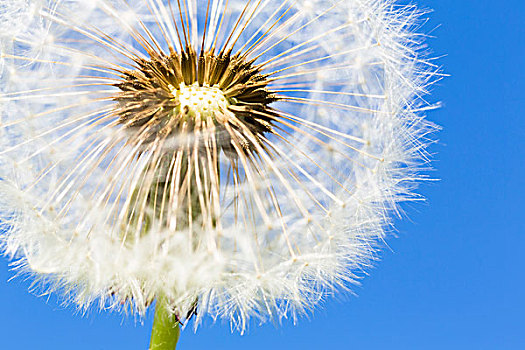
(241, 156)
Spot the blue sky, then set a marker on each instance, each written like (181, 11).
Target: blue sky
(454, 277)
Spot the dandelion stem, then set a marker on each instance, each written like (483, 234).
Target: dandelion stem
(166, 331)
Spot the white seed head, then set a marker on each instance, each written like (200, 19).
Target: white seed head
(244, 157)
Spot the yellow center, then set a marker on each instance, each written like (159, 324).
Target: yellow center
(203, 100)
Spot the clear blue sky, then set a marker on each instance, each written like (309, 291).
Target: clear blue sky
(454, 278)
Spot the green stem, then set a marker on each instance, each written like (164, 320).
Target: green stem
(165, 333)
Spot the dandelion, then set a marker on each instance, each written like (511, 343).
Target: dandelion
(221, 158)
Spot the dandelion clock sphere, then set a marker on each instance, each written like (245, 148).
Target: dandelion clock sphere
(229, 159)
